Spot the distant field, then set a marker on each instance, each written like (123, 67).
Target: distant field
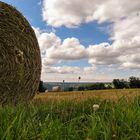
(112, 94)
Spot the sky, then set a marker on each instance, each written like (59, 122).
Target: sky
(96, 40)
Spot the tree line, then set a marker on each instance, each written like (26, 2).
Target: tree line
(132, 82)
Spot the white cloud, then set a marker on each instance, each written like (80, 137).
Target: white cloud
(124, 19)
(122, 52)
(68, 70)
(103, 54)
(89, 70)
(124, 31)
(74, 12)
(70, 49)
(130, 65)
(62, 70)
(54, 51)
(64, 12)
(47, 40)
(71, 74)
(49, 61)
(54, 75)
(127, 28)
(125, 48)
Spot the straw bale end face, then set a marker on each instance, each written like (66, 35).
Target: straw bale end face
(20, 61)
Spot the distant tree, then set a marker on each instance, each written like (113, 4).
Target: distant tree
(99, 86)
(120, 84)
(70, 89)
(96, 86)
(102, 86)
(134, 82)
(116, 83)
(41, 87)
(81, 88)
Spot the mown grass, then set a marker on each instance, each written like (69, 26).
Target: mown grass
(70, 120)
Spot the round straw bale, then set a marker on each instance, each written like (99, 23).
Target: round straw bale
(20, 61)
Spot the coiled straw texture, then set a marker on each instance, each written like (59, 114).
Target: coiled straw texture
(20, 61)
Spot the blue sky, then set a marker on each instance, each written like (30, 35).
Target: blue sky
(89, 39)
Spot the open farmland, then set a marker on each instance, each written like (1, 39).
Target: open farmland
(93, 115)
(113, 94)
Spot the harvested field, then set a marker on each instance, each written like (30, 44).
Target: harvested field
(113, 94)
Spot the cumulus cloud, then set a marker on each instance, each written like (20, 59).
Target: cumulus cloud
(122, 52)
(74, 12)
(71, 74)
(54, 51)
(49, 61)
(124, 18)
(62, 70)
(89, 70)
(64, 12)
(46, 40)
(70, 49)
(102, 54)
(127, 28)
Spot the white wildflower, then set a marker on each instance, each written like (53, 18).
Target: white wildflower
(113, 135)
(95, 107)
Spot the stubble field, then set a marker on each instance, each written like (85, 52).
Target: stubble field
(111, 94)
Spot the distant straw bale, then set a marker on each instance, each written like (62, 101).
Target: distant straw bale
(56, 89)
(20, 62)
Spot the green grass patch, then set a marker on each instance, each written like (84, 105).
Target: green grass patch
(69, 120)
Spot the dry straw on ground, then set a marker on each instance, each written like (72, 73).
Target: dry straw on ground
(20, 63)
